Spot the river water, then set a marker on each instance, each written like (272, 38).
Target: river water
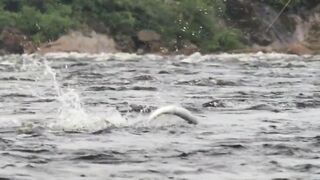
(79, 116)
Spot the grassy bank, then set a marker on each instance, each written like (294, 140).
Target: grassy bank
(177, 21)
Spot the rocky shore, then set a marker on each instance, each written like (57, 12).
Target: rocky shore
(295, 32)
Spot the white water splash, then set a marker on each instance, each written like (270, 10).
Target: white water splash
(72, 115)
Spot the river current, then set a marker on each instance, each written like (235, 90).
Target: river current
(80, 116)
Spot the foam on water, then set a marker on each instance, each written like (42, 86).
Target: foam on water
(101, 56)
(193, 58)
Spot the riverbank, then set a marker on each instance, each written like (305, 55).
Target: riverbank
(183, 27)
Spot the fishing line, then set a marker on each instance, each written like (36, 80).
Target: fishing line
(279, 14)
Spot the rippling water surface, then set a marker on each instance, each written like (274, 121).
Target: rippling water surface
(78, 116)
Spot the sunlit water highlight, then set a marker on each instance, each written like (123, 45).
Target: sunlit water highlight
(73, 116)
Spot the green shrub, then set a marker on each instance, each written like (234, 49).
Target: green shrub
(7, 19)
(51, 26)
(28, 20)
(43, 27)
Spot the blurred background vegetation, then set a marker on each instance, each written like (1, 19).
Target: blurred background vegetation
(195, 21)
